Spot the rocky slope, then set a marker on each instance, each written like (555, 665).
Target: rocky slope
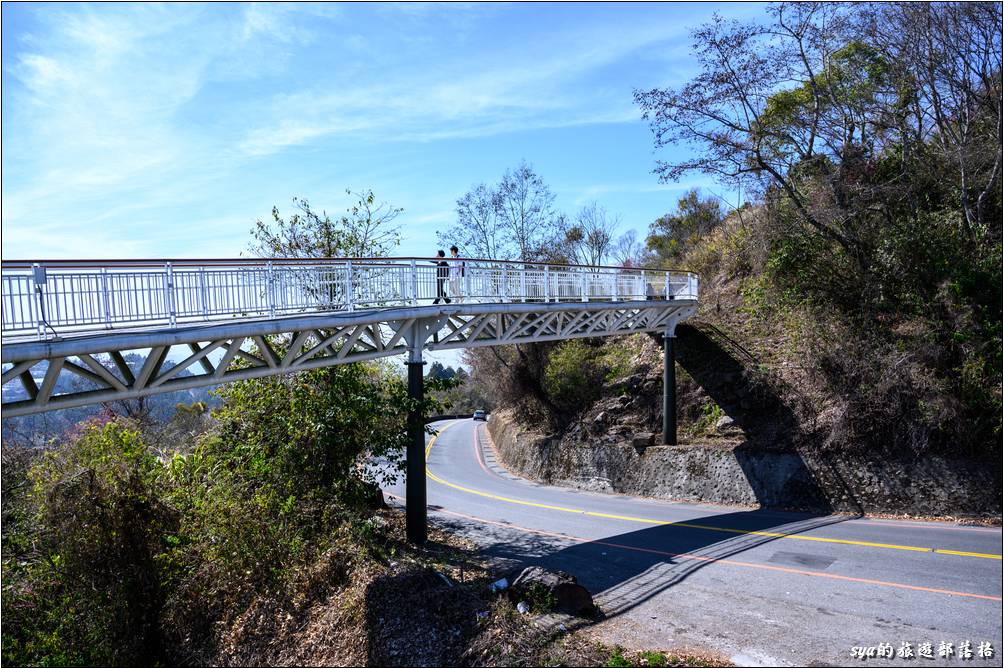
(746, 442)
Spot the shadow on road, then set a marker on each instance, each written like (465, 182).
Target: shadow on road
(628, 569)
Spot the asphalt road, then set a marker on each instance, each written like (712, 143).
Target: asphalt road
(762, 587)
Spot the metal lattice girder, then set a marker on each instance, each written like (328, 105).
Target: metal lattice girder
(548, 324)
(242, 350)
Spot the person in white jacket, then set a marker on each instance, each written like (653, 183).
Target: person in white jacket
(457, 272)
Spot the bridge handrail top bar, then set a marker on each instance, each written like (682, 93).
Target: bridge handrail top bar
(127, 263)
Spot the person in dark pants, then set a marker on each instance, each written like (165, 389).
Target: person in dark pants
(442, 274)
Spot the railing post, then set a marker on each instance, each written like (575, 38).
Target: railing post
(547, 284)
(522, 281)
(38, 279)
(414, 283)
(169, 294)
(203, 295)
(105, 297)
(582, 283)
(669, 296)
(616, 279)
(504, 286)
(349, 296)
(270, 288)
(644, 286)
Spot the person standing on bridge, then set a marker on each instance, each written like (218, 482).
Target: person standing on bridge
(442, 274)
(457, 271)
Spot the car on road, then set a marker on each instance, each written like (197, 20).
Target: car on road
(480, 414)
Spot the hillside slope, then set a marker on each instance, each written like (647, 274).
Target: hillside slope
(876, 416)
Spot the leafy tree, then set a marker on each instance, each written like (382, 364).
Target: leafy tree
(860, 97)
(720, 112)
(365, 230)
(871, 135)
(438, 371)
(672, 235)
(574, 376)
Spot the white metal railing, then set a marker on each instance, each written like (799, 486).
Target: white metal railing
(65, 297)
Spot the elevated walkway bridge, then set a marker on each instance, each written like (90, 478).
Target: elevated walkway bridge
(68, 325)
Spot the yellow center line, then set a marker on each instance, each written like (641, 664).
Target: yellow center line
(694, 526)
(989, 556)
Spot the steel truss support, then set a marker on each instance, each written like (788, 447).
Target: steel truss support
(45, 376)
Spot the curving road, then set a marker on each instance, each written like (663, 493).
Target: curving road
(763, 587)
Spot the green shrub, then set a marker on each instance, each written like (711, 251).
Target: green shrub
(307, 435)
(117, 556)
(574, 375)
(540, 598)
(91, 591)
(710, 415)
(617, 658)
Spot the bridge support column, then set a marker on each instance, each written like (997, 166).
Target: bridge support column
(415, 506)
(668, 390)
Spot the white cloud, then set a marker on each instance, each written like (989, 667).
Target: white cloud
(527, 88)
(117, 117)
(91, 114)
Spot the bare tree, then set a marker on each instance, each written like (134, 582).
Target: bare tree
(809, 104)
(627, 250)
(949, 54)
(590, 238)
(526, 206)
(514, 220)
(479, 230)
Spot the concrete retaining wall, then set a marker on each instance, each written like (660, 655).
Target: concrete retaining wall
(930, 486)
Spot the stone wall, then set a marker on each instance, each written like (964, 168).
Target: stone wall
(740, 475)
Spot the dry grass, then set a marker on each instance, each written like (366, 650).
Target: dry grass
(411, 608)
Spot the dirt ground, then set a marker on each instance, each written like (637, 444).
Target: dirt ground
(419, 607)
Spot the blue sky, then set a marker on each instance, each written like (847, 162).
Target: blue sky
(136, 130)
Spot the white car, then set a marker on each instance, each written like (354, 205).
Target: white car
(480, 414)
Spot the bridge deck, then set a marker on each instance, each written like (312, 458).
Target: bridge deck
(67, 325)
